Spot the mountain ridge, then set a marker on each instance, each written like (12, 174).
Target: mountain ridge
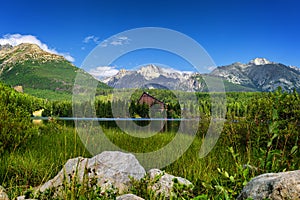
(152, 76)
(258, 74)
(34, 69)
(261, 74)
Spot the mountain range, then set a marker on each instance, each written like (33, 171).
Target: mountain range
(39, 72)
(257, 75)
(152, 76)
(261, 74)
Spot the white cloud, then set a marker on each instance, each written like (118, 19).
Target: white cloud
(104, 43)
(211, 68)
(16, 39)
(67, 56)
(188, 72)
(123, 38)
(103, 71)
(91, 38)
(120, 41)
(116, 41)
(172, 70)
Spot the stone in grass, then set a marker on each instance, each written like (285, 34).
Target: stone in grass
(165, 182)
(110, 168)
(23, 198)
(129, 197)
(3, 195)
(276, 186)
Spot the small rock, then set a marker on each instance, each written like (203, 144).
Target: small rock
(23, 198)
(276, 186)
(164, 185)
(3, 195)
(129, 197)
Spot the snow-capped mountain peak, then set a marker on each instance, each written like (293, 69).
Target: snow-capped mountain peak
(260, 61)
(149, 72)
(295, 68)
(261, 74)
(152, 76)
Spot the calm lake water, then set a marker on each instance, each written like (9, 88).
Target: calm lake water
(110, 119)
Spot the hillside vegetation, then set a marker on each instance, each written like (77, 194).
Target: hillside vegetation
(15, 124)
(40, 73)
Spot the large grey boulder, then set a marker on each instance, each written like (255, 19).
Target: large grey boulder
(110, 168)
(111, 171)
(129, 197)
(3, 195)
(164, 182)
(275, 186)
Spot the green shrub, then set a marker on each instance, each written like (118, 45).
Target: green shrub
(15, 128)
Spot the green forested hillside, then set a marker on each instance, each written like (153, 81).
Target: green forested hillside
(39, 73)
(52, 75)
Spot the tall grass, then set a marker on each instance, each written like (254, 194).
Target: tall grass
(40, 159)
(45, 154)
(221, 174)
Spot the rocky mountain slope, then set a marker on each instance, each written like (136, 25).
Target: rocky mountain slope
(257, 75)
(152, 76)
(32, 68)
(261, 74)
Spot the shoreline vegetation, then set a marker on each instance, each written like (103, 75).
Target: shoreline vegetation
(265, 140)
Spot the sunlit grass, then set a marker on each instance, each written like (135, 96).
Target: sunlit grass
(45, 154)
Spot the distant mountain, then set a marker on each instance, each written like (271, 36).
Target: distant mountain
(152, 76)
(27, 65)
(261, 74)
(257, 75)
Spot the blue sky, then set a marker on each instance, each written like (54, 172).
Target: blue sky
(230, 31)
